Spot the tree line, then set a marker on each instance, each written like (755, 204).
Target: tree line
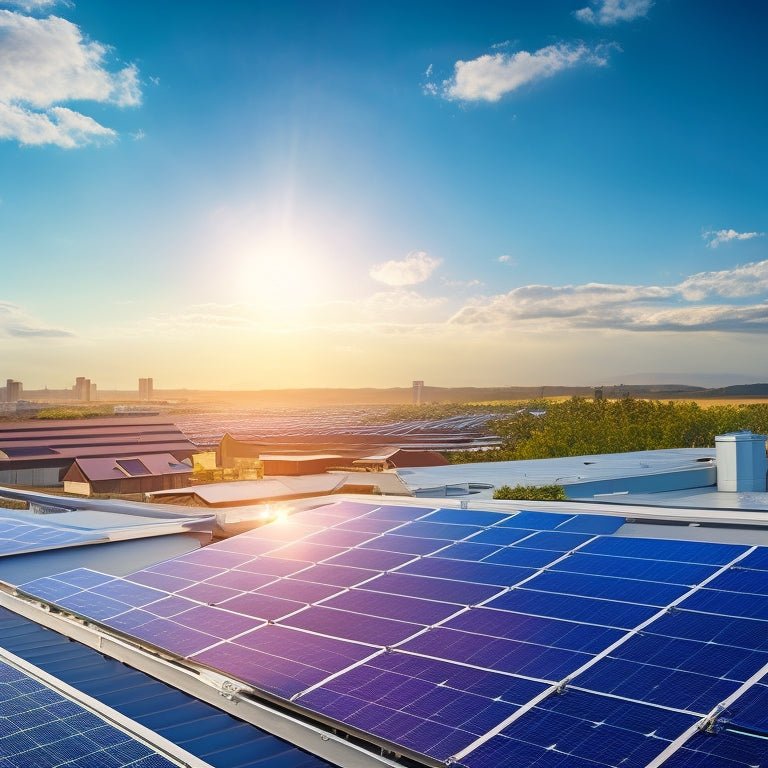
(581, 427)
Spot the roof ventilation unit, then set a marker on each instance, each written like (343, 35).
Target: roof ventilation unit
(741, 462)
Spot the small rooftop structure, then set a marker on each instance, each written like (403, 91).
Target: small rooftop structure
(126, 474)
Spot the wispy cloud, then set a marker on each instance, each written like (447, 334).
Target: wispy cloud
(688, 306)
(28, 6)
(46, 63)
(491, 76)
(609, 12)
(505, 258)
(717, 237)
(14, 322)
(415, 268)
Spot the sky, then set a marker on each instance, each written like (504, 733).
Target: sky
(258, 195)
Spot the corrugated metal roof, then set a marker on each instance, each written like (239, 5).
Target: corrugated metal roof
(214, 736)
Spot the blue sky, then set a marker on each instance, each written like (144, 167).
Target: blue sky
(296, 194)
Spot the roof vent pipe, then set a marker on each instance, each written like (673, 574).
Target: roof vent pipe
(741, 462)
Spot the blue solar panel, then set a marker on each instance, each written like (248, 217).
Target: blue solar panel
(757, 560)
(747, 634)
(609, 613)
(371, 616)
(726, 749)
(582, 730)
(410, 545)
(446, 531)
(607, 587)
(650, 684)
(500, 536)
(40, 727)
(570, 635)
(498, 654)
(527, 558)
(555, 540)
(728, 603)
(17, 536)
(466, 517)
(459, 570)
(635, 568)
(592, 524)
(662, 549)
(467, 550)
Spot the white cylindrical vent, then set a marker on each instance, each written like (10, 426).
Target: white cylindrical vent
(741, 462)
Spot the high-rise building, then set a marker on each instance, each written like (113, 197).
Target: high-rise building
(82, 388)
(418, 391)
(13, 390)
(145, 389)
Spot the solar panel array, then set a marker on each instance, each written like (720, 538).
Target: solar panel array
(40, 727)
(18, 536)
(483, 638)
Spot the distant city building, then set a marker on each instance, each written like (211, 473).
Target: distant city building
(418, 392)
(82, 389)
(145, 389)
(13, 390)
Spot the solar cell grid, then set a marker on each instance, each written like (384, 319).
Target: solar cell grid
(730, 749)
(500, 536)
(404, 513)
(635, 568)
(526, 558)
(607, 587)
(392, 606)
(407, 545)
(603, 524)
(461, 593)
(748, 634)
(554, 540)
(651, 684)
(497, 654)
(306, 552)
(466, 550)
(535, 521)
(376, 559)
(361, 628)
(728, 604)
(692, 656)
(446, 531)
(404, 579)
(466, 517)
(461, 571)
(705, 553)
(757, 560)
(556, 633)
(609, 613)
(42, 727)
(582, 729)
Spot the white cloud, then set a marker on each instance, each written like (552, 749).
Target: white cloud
(490, 77)
(717, 237)
(34, 5)
(504, 259)
(47, 63)
(415, 268)
(747, 280)
(689, 306)
(609, 12)
(14, 322)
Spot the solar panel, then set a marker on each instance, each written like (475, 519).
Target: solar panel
(42, 727)
(18, 536)
(428, 630)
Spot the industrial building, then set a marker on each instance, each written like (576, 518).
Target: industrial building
(38, 453)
